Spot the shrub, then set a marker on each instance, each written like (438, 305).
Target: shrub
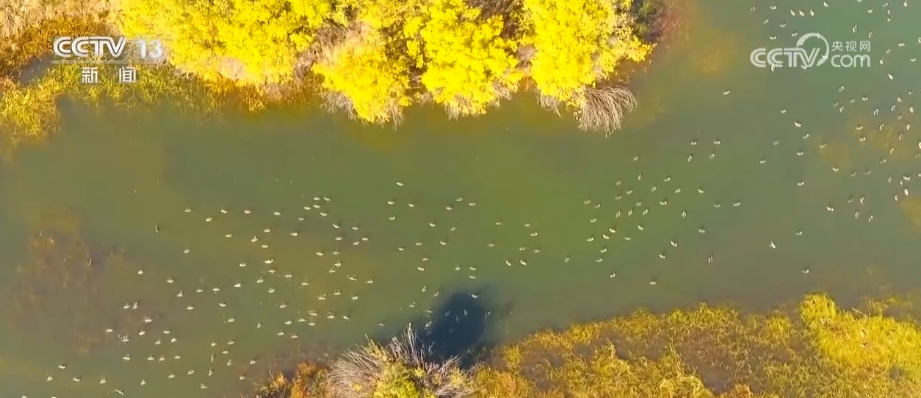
(604, 109)
(400, 369)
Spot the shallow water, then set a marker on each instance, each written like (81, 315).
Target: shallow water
(729, 183)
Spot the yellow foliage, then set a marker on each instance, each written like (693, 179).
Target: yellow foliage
(468, 65)
(398, 381)
(18, 17)
(305, 383)
(30, 113)
(364, 79)
(252, 42)
(708, 352)
(379, 15)
(372, 56)
(863, 342)
(577, 43)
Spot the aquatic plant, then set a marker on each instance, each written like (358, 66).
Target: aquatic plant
(29, 112)
(402, 368)
(604, 109)
(61, 288)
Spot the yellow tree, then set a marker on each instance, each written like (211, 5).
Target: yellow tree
(361, 77)
(468, 65)
(251, 42)
(367, 73)
(576, 44)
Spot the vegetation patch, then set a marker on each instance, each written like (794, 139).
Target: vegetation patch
(815, 350)
(61, 288)
(370, 58)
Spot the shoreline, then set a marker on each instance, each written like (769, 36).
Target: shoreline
(812, 349)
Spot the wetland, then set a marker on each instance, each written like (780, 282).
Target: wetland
(171, 251)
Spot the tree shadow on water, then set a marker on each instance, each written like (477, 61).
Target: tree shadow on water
(460, 326)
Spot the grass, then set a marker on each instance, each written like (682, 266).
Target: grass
(815, 350)
(18, 16)
(29, 109)
(604, 109)
(402, 368)
(29, 113)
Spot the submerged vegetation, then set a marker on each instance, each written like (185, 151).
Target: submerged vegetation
(816, 350)
(30, 112)
(370, 58)
(61, 288)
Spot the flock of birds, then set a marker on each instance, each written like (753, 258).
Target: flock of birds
(287, 301)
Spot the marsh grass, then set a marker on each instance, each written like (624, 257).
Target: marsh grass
(604, 109)
(305, 382)
(817, 351)
(18, 16)
(29, 109)
(813, 350)
(60, 288)
(29, 112)
(401, 368)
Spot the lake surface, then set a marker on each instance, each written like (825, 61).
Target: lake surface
(729, 184)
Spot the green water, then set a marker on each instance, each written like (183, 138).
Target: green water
(518, 186)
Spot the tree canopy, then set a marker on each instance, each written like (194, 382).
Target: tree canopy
(374, 58)
(252, 42)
